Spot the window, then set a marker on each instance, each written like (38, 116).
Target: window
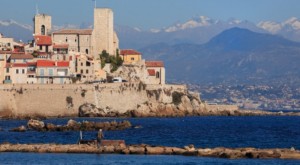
(82, 64)
(87, 71)
(30, 76)
(86, 51)
(132, 59)
(17, 71)
(88, 63)
(66, 39)
(50, 72)
(7, 77)
(157, 75)
(23, 71)
(75, 40)
(7, 70)
(81, 71)
(43, 30)
(41, 47)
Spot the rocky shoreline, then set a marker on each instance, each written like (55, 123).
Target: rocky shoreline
(73, 125)
(143, 149)
(186, 108)
(165, 112)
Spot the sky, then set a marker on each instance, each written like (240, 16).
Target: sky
(147, 14)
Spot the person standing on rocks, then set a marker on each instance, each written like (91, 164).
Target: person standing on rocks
(100, 136)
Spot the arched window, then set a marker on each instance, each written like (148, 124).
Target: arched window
(66, 39)
(157, 75)
(86, 51)
(43, 30)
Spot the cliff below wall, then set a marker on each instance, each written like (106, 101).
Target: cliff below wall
(118, 99)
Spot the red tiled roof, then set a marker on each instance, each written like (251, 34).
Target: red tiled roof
(151, 72)
(47, 63)
(21, 56)
(5, 52)
(43, 40)
(129, 52)
(154, 64)
(75, 31)
(63, 64)
(25, 65)
(61, 46)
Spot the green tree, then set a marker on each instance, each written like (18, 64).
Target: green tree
(115, 61)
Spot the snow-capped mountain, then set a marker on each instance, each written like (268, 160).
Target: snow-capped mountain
(276, 27)
(12, 23)
(197, 30)
(201, 21)
(289, 28)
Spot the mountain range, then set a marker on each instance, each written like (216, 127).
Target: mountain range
(197, 30)
(205, 50)
(234, 56)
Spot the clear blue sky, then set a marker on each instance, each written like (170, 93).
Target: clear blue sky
(150, 13)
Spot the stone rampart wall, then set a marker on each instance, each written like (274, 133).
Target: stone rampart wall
(65, 100)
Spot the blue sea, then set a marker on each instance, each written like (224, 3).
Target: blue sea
(259, 132)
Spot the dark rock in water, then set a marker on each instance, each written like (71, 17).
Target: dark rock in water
(51, 127)
(73, 125)
(19, 129)
(36, 125)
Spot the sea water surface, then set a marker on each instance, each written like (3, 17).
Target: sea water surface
(259, 132)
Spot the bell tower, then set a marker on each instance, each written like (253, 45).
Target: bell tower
(42, 24)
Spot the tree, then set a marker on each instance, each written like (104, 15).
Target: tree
(115, 61)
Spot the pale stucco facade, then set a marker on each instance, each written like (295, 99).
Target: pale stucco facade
(78, 40)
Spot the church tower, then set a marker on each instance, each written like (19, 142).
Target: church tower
(42, 24)
(103, 34)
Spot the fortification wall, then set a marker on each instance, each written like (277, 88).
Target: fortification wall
(65, 100)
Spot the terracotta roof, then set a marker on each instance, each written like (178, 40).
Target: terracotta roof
(25, 65)
(63, 64)
(151, 72)
(61, 46)
(43, 40)
(47, 63)
(5, 52)
(21, 56)
(75, 31)
(9, 65)
(129, 52)
(154, 64)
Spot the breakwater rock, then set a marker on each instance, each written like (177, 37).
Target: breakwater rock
(73, 125)
(143, 149)
(186, 108)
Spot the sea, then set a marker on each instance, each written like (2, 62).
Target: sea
(203, 132)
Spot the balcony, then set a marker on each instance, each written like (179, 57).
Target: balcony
(7, 81)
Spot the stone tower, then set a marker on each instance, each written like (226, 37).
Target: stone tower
(42, 24)
(103, 33)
